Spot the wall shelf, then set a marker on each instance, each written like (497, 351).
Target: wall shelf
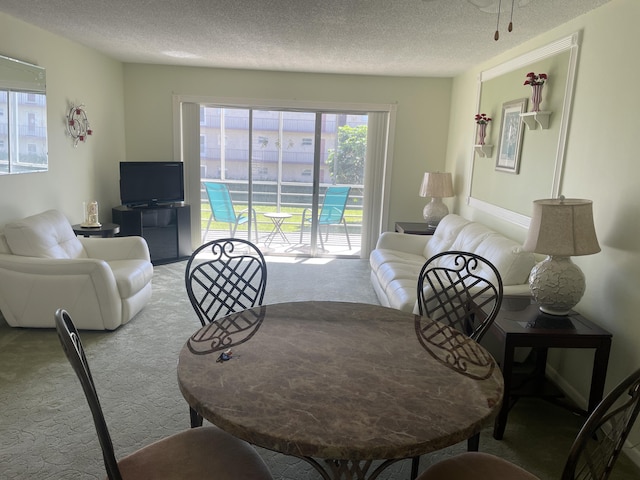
(483, 150)
(533, 119)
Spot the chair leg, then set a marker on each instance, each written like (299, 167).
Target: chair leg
(196, 419)
(320, 236)
(415, 464)
(346, 231)
(473, 443)
(255, 225)
(304, 218)
(204, 237)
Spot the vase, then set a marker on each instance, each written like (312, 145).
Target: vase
(482, 132)
(536, 97)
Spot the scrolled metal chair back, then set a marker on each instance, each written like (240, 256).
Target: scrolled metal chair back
(225, 276)
(600, 441)
(462, 290)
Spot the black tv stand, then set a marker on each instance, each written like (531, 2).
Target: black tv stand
(165, 227)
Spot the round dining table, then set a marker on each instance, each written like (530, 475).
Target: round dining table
(349, 387)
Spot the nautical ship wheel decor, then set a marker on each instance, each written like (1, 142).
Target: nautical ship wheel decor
(78, 127)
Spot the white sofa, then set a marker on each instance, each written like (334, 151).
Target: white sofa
(102, 282)
(397, 259)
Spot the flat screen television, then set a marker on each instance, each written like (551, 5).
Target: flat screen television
(151, 183)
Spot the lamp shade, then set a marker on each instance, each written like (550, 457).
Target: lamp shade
(436, 185)
(562, 227)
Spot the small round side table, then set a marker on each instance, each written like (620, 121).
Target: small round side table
(106, 230)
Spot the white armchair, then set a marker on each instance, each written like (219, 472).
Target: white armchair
(102, 282)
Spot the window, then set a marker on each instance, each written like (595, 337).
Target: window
(23, 117)
(23, 133)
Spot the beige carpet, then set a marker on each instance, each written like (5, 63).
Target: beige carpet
(46, 430)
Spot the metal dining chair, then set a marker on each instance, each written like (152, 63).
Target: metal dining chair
(222, 277)
(592, 456)
(196, 453)
(222, 209)
(462, 290)
(331, 212)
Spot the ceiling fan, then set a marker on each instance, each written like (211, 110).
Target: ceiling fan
(495, 6)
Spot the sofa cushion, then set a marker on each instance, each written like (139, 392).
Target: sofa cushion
(513, 263)
(382, 256)
(45, 235)
(393, 270)
(445, 235)
(469, 237)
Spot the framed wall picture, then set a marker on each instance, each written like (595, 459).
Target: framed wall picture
(508, 158)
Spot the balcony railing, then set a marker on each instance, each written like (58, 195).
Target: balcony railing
(293, 197)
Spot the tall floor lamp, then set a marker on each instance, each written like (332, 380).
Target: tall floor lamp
(437, 186)
(560, 228)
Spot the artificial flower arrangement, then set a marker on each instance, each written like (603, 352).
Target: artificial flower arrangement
(535, 79)
(482, 118)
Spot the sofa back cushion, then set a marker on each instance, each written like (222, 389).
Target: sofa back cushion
(445, 234)
(45, 235)
(513, 263)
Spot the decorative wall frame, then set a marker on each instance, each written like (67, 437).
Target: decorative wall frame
(510, 140)
(78, 127)
(569, 45)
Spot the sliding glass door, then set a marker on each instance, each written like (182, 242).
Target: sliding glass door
(291, 181)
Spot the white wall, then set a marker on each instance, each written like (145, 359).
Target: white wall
(421, 126)
(89, 172)
(601, 164)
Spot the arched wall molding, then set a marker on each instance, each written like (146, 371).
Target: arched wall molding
(566, 44)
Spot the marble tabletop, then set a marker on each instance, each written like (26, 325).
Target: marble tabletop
(340, 381)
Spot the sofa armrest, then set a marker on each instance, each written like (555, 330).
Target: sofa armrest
(32, 287)
(52, 266)
(402, 242)
(118, 248)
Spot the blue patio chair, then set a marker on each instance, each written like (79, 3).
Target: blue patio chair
(331, 212)
(222, 209)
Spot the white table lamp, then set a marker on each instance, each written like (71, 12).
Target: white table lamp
(560, 228)
(437, 186)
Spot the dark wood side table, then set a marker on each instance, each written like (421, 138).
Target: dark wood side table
(106, 230)
(528, 327)
(414, 228)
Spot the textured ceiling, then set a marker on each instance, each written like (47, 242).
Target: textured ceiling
(374, 37)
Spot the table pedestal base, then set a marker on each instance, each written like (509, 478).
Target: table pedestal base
(348, 469)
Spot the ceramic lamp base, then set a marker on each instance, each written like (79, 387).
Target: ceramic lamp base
(434, 211)
(557, 285)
